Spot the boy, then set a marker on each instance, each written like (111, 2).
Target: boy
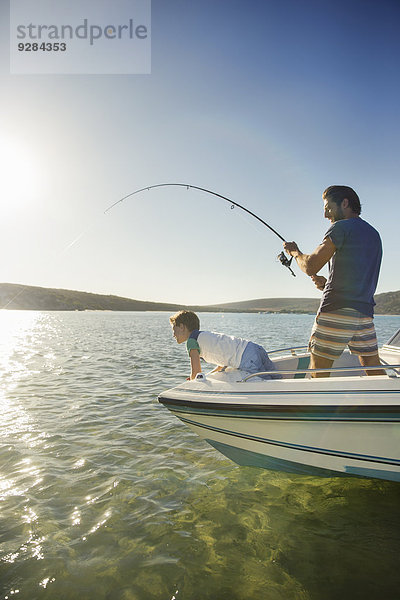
(218, 348)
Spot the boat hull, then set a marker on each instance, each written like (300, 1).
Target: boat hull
(325, 428)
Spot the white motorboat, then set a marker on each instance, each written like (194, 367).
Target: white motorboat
(343, 425)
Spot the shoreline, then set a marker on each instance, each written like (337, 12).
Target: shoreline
(23, 297)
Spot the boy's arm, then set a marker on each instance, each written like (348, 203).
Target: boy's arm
(194, 362)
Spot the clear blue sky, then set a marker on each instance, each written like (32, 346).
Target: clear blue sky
(267, 102)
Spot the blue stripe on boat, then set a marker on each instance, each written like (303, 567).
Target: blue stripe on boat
(353, 413)
(254, 459)
(246, 458)
(290, 446)
(289, 416)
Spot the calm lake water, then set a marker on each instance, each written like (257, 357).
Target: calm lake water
(105, 495)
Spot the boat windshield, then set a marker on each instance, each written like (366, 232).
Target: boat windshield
(395, 340)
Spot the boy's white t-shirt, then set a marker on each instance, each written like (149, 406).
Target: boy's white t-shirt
(218, 348)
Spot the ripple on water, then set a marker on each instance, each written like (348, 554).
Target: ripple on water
(104, 494)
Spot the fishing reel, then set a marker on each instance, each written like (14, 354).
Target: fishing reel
(286, 262)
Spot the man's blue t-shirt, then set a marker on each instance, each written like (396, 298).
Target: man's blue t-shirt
(354, 269)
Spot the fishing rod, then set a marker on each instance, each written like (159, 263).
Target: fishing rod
(281, 257)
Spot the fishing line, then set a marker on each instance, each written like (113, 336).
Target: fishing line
(281, 257)
(52, 264)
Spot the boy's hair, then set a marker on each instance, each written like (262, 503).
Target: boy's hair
(337, 193)
(187, 318)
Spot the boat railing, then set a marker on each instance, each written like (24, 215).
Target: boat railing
(360, 369)
(292, 350)
(392, 339)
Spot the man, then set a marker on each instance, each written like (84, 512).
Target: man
(345, 315)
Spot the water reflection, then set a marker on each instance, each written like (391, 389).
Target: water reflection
(16, 329)
(103, 490)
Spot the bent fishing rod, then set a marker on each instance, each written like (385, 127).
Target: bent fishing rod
(281, 257)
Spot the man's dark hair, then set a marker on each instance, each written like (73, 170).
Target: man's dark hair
(337, 193)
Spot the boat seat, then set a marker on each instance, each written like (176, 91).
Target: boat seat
(292, 363)
(302, 361)
(348, 360)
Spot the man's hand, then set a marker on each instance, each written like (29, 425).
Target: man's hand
(291, 248)
(311, 264)
(319, 281)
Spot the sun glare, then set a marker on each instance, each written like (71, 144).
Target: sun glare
(20, 175)
(15, 327)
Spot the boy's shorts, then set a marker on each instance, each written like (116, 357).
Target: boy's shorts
(255, 359)
(333, 331)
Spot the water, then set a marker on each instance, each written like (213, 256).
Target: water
(106, 495)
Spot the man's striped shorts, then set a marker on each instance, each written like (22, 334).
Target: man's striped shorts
(333, 331)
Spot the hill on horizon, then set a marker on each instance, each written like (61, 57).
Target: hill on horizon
(15, 296)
